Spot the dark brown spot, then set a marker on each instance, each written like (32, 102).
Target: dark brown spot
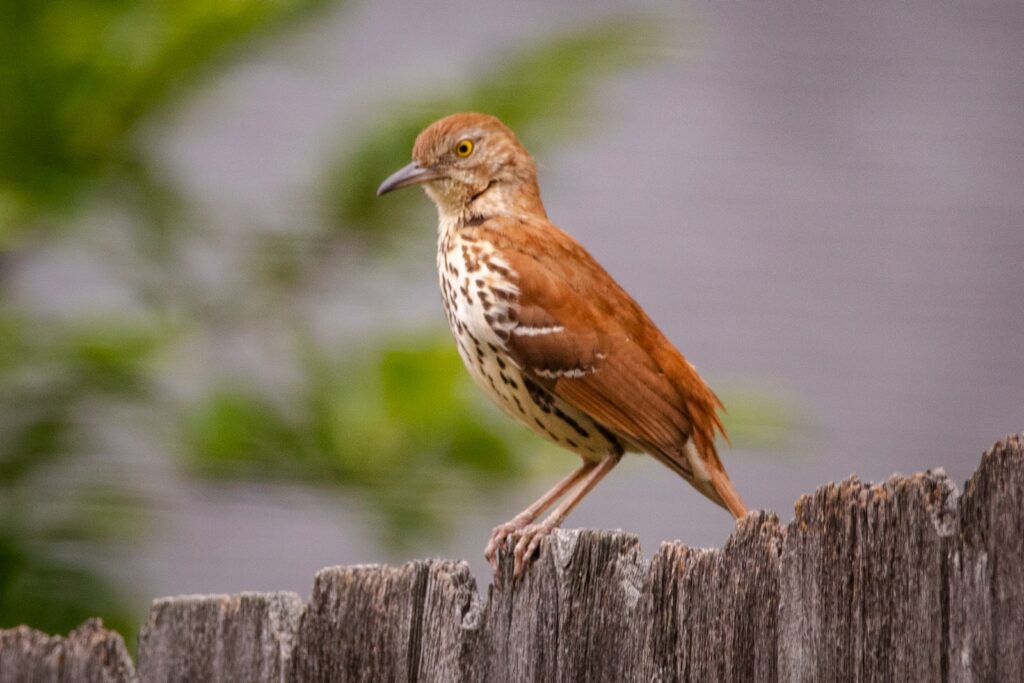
(519, 405)
(540, 397)
(612, 439)
(494, 349)
(501, 362)
(539, 423)
(572, 423)
(572, 443)
(495, 268)
(552, 435)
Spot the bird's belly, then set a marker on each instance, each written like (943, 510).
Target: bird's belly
(477, 304)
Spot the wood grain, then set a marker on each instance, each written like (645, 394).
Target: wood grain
(903, 580)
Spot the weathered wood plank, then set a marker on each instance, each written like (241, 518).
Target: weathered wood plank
(986, 582)
(863, 581)
(248, 637)
(712, 614)
(90, 653)
(383, 623)
(572, 617)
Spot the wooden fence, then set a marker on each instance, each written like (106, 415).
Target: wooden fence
(901, 581)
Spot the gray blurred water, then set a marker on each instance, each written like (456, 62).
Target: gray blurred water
(825, 201)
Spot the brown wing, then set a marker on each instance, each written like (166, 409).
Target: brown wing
(592, 363)
(585, 339)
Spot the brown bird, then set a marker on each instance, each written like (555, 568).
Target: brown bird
(551, 338)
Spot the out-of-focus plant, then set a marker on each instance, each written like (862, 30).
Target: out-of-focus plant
(759, 418)
(78, 77)
(398, 422)
(54, 528)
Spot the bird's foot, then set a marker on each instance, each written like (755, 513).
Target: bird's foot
(502, 532)
(528, 540)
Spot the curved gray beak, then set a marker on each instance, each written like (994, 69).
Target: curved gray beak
(411, 174)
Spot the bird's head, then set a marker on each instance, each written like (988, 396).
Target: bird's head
(470, 163)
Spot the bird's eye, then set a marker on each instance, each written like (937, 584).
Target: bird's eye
(464, 148)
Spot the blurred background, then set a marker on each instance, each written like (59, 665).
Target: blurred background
(223, 362)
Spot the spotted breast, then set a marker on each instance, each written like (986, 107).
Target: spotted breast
(480, 295)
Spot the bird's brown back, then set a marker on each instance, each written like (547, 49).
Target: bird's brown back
(642, 386)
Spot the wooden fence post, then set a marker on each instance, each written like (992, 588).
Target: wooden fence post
(904, 580)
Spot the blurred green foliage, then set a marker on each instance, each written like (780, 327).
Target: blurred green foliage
(534, 91)
(762, 418)
(77, 77)
(51, 546)
(398, 422)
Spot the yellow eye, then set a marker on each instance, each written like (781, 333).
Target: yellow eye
(464, 148)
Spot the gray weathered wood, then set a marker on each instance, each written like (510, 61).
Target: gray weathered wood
(712, 615)
(248, 637)
(903, 580)
(986, 571)
(384, 623)
(89, 653)
(863, 581)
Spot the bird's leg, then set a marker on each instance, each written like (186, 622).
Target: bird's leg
(503, 531)
(530, 536)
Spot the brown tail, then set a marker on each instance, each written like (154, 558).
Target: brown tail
(716, 486)
(723, 487)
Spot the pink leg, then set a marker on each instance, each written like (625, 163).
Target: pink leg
(527, 516)
(531, 535)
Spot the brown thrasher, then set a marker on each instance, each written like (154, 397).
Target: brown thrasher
(548, 334)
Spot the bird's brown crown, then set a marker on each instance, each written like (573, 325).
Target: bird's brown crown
(480, 165)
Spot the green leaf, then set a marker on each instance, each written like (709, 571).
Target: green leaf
(79, 76)
(237, 433)
(26, 447)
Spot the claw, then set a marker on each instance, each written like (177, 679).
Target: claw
(527, 544)
(498, 536)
